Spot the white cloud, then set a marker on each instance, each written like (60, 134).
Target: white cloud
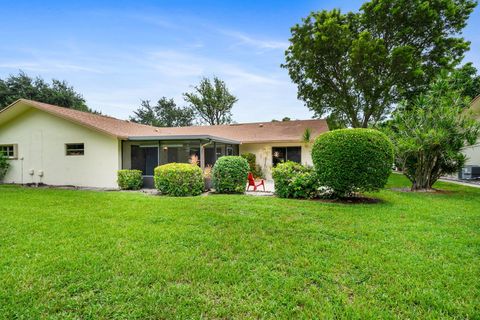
(243, 39)
(47, 66)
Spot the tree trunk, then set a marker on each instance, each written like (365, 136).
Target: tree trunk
(425, 173)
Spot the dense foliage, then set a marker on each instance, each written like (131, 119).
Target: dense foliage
(467, 81)
(212, 102)
(179, 179)
(58, 92)
(352, 160)
(430, 133)
(293, 180)
(354, 67)
(229, 174)
(164, 114)
(254, 168)
(4, 165)
(130, 179)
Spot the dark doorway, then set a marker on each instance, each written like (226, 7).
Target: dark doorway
(144, 159)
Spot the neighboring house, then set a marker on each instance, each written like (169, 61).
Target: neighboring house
(59, 146)
(473, 152)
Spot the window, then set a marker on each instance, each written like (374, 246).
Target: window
(75, 149)
(9, 150)
(282, 154)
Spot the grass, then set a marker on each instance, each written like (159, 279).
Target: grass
(84, 254)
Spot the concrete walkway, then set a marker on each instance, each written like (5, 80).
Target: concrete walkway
(462, 183)
(269, 189)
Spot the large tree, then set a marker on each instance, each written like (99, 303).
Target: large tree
(212, 102)
(59, 93)
(354, 67)
(468, 80)
(164, 114)
(430, 132)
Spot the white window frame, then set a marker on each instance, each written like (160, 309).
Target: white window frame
(14, 147)
(74, 150)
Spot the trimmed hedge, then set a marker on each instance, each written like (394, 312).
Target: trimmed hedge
(353, 160)
(129, 179)
(229, 174)
(293, 180)
(179, 179)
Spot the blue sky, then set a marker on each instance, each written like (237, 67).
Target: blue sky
(118, 52)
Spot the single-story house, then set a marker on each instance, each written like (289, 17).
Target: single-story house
(473, 152)
(59, 146)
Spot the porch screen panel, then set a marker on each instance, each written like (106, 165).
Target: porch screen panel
(144, 159)
(138, 159)
(151, 160)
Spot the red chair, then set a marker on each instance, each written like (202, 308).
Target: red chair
(252, 183)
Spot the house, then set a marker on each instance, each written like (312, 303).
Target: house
(473, 152)
(59, 146)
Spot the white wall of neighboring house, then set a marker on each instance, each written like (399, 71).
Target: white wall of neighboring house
(263, 152)
(41, 140)
(473, 154)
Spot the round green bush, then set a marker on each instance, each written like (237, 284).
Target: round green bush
(129, 179)
(179, 179)
(352, 160)
(230, 174)
(293, 180)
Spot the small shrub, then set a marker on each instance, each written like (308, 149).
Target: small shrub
(129, 179)
(352, 160)
(293, 180)
(254, 168)
(230, 174)
(207, 177)
(4, 165)
(179, 179)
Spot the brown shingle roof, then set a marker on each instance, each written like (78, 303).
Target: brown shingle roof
(475, 107)
(289, 131)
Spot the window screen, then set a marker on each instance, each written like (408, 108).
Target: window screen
(75, 149)
(283, 154)
(8, 150)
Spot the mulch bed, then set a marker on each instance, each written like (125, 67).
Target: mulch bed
(352, 200)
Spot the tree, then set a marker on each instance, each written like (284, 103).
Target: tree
(58, 92)
(468, 81)
(212, 102)
(430, 133)
(164, 114)
(358, 65)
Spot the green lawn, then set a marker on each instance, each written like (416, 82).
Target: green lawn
(84, 254)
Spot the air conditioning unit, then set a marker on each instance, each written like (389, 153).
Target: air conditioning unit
(469, 173)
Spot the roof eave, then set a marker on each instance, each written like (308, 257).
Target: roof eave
(185, 137)
(33, 105)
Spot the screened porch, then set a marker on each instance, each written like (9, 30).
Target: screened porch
(147, 153)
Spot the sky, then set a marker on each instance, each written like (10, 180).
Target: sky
(116, 53)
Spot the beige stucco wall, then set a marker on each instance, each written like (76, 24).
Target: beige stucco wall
(41, 140)
(263, 151)
(473, 154)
